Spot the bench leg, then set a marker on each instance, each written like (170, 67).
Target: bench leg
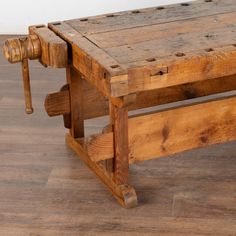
(75, 82)
(121, 148)
(124, 193)
(109, 164)
(115, 173)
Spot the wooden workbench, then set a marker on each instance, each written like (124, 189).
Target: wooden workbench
(125, 61)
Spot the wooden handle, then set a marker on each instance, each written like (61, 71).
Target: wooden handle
(41, 43)
(26, 83)
(20, 50)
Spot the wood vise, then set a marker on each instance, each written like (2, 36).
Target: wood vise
(42, 44)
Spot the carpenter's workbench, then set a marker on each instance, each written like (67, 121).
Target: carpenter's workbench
(137, 59)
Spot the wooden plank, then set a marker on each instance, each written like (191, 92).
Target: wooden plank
(195, 48)
(76, 101)
(96, 105)
(184, 92)
(173, 131)
(182, 129)
(167, 31)
(159, 48)
(54, 49)
(149, 16)
(185, 69)
(94, 57)
(98, 147)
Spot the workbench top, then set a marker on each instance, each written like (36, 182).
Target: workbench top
(155, 47)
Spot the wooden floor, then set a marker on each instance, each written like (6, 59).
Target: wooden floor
(46, 190)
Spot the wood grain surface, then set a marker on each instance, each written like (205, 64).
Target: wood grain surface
(159, 47)
(46, 190)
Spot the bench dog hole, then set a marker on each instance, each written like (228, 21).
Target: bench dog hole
(136, 12)
(209, 50)
(185, 4)
(151, 59)
(39, 26)
(180, 54)
(159, 73)
(114, 66)
(57, 23)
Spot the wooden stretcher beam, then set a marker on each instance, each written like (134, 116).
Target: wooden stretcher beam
(96, 105)
(171, 131)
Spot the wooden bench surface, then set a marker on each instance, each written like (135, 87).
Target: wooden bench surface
(153, 48)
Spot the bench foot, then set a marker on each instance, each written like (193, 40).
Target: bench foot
(124, 193)
(129, 196)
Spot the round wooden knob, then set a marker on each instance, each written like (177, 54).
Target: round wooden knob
(17, 49)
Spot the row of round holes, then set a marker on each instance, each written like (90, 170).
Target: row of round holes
(180, 54)
(158, 8)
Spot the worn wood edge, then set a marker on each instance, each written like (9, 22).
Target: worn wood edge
(187, 69)
(100, 147)
(83, 57)
(54, 48)
(125, 194)
(86, 48)
(120, 84)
